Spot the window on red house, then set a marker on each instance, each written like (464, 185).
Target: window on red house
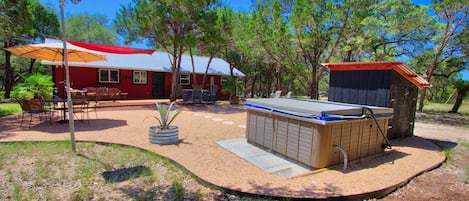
(185, 79)
(139, 77)
(108, 76)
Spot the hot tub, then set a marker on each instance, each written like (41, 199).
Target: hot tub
(308, 131)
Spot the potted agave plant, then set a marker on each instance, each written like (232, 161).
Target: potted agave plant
(165, 133)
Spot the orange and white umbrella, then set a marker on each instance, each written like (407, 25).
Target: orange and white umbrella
(54, 52)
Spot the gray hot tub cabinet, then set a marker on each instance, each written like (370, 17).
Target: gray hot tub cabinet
(307, 131)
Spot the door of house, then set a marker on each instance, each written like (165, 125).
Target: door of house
(157, 85)
(212, 82)
(213, 88)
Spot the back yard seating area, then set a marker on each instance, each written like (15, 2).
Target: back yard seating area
(34, 106)
(103, 93)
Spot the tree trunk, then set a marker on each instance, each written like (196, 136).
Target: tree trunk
(172, 96)
(253, 86)
(448, 33)
(461, 94)
(194, 76)
(269, 81)
(423, 93)
(348, 57)
(314, 89)
(31, 65)
(207, 67)
(177, 57)
(8, 83)
(279, 78)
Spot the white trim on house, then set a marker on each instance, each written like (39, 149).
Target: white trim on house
(139, 77)
(111, 75)
(157, 62)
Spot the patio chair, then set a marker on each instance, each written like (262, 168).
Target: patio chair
(187, 95)
(179, 91)
(114, 93)
(81, 109)
(78, 94)
(277, 94)
(197, 93)
(31, 107)
(91, 93)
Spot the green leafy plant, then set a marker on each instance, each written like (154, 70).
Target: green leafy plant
(34, 86)
(166, 115)
(231, 85)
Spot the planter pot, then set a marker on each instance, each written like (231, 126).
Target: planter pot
(234, 100)
(163, 136)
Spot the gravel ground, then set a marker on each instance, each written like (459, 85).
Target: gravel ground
(451, 180)
(201, 126)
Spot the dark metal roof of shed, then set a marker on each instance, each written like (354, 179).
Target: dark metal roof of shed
(399, 67)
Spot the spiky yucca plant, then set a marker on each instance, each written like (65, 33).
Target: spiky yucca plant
(167, 115)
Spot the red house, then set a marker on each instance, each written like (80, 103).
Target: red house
(142, 74)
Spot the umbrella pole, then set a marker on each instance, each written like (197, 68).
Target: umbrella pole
(67, 78)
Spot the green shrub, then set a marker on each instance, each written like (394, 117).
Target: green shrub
(33, 86)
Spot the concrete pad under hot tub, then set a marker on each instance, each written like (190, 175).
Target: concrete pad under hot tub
(263, 159)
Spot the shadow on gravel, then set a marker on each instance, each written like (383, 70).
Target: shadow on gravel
(92, 125)
(125, 174)
(444, 145)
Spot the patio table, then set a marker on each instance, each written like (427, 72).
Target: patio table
(57, 100)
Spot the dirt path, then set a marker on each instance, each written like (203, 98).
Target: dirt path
(442, 132)
(451, 180)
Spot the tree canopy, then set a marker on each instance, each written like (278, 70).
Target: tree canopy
(169, 24)
(22, 22)
(279, 45)
(90, 28)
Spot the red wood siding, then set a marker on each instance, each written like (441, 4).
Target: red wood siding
(82, 77)
(88, 77)
(217, 81)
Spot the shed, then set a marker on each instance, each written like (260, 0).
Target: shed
(383, 84)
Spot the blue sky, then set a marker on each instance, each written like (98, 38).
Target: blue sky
(110, 7)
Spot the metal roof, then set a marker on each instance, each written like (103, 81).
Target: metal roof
(399, 67)
(158, 61)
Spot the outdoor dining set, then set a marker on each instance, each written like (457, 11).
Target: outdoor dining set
(55, 108)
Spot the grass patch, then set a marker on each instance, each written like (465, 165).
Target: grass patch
(42, 170)
(466, 144)
(178, 189)
(444, 108)
(9, 108)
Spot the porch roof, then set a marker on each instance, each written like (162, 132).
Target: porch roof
(158, 62)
